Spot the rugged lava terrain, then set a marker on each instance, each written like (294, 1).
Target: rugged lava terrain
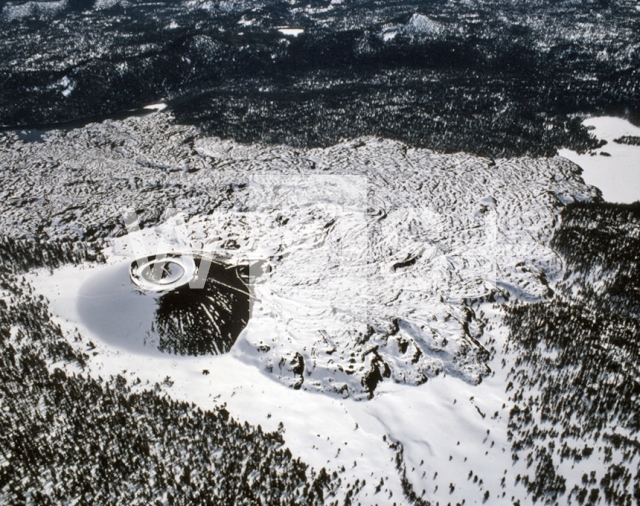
(374, 250)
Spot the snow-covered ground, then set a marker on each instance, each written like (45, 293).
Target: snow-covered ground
(617, 175)
(374, 252)
(447, 427)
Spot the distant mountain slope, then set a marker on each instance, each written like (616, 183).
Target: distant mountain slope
(496, 78)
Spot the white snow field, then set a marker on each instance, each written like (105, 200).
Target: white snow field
(378, 271)
(616, 175)
(294, 32)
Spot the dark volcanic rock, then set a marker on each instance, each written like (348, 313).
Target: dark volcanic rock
(207, 320)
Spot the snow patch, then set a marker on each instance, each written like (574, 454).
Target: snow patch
(422, 25)
(419, 26)
(294, 32)
(108, 4)
(64, 85)
(160, 106)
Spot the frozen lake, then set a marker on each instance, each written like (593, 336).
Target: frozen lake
(617, 175)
